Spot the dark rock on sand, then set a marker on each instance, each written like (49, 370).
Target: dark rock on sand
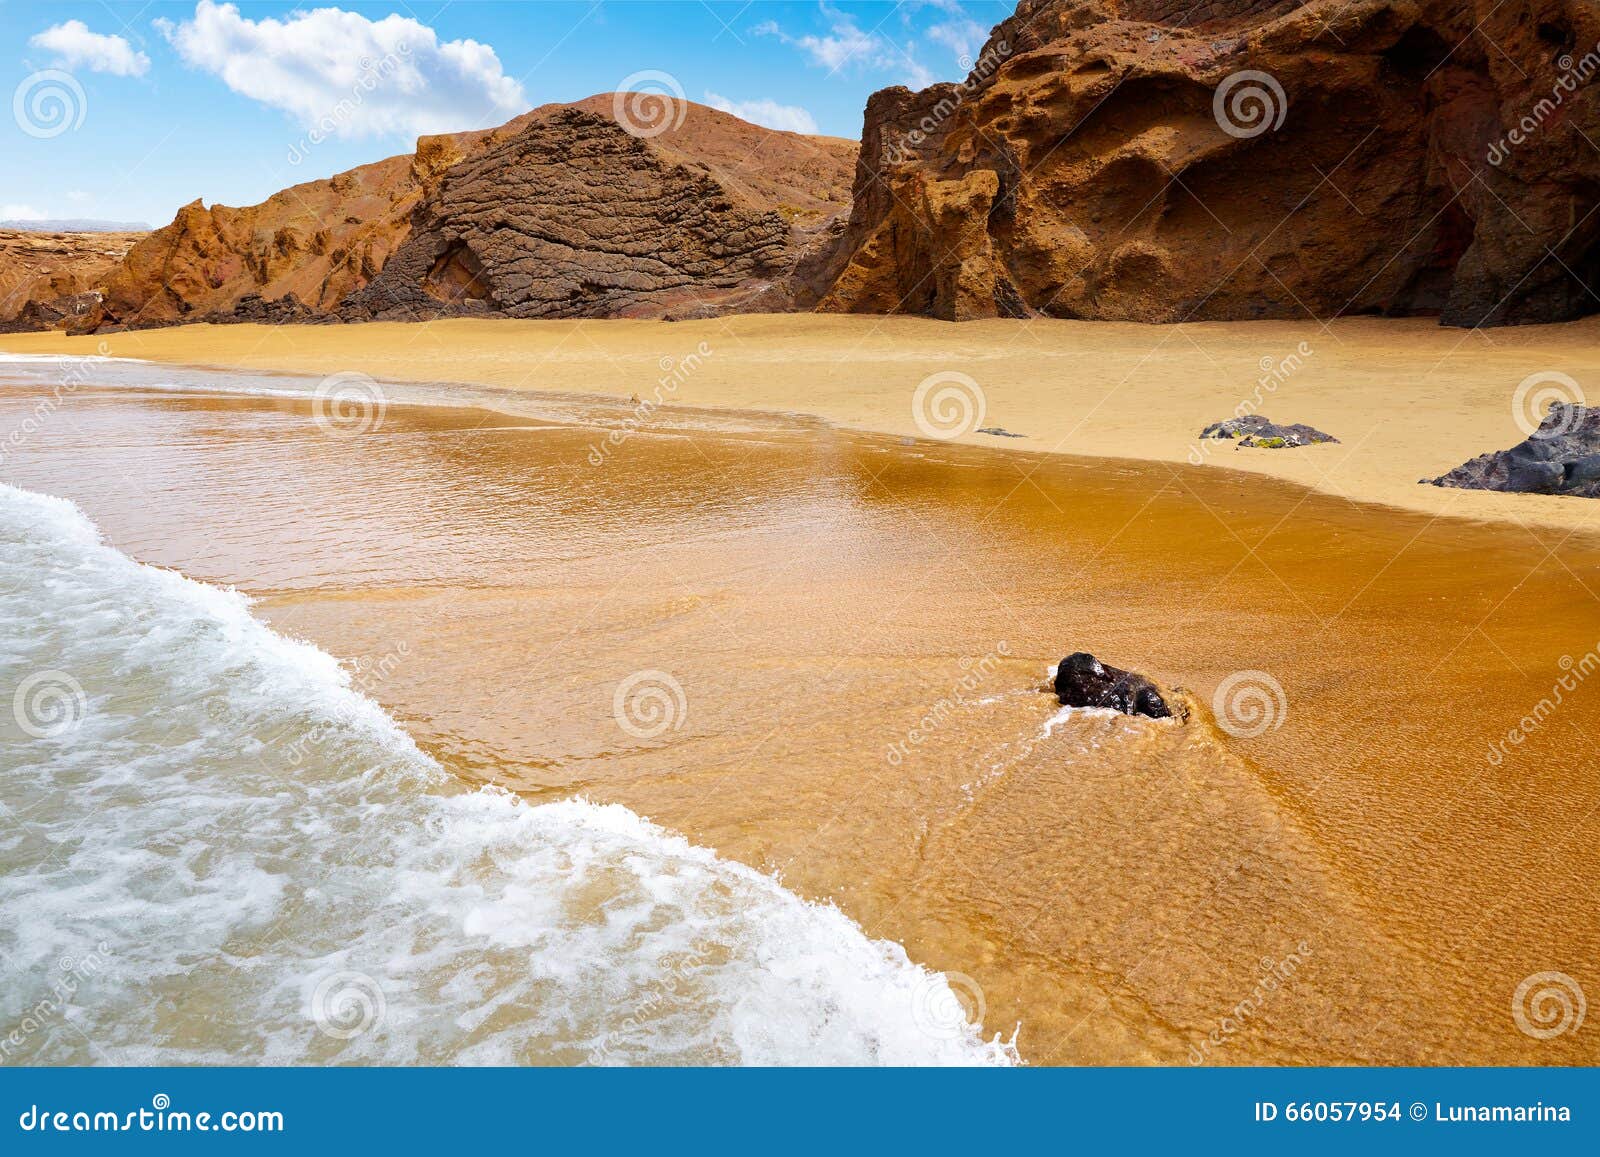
(1257, 431)
(1562, 457)
(1084, 681)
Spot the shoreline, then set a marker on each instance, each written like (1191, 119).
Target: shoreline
(1095, 390)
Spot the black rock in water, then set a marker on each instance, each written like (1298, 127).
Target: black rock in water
(1262, 433)
(1084, 681)
(1562, 457)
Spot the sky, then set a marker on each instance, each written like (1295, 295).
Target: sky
(126, 111)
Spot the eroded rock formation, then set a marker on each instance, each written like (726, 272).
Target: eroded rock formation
(1561, 457)
(47, 278)
(1162, 160)
(560, 212)
(576, 217)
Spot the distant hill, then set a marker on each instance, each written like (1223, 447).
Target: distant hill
(618, 205)
(76, 225)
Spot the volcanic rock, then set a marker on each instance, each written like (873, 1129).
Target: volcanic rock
(1562, 457)
(1253, 430)
(1084, 681)
(48, 277)
(704, 211)
(1161, 160)
(575, 217)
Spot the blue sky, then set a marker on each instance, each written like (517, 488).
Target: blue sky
(126, 111)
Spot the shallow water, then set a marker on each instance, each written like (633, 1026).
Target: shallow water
(820, 655)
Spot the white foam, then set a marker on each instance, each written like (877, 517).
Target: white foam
(233, 856)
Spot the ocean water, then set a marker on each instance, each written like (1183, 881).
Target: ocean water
(214, 849)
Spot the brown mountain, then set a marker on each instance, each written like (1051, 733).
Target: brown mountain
(561, 212)
(48, 277)
(1160, 160)
(1152, 160)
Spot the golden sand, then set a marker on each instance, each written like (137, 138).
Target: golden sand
(1406, 398)
(860, 629)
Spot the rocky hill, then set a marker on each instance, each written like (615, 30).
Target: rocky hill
(564, 211)
(1148, 160)
(1161, 160)
(46, 278)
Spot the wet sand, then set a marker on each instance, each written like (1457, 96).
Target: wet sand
(852, 634)
(1406, 398)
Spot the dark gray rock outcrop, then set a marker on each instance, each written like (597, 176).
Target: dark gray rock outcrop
(1084, 681)
(1253, 430)
(1561, 457)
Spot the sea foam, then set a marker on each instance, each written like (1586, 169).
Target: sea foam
(215, 849)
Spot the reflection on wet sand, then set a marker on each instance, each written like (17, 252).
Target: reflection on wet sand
(833, 648)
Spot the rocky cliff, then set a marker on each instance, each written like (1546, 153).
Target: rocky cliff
(1162, 160)
(47, 278)
(562, 212)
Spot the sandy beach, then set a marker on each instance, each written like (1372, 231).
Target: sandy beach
(1406, 398)
(849, 634)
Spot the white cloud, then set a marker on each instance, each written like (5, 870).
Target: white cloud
(788, 117)
(79, 197)
(344, 75)
(75, 46)
(847, 45)
(20, 213)
(963, 37)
